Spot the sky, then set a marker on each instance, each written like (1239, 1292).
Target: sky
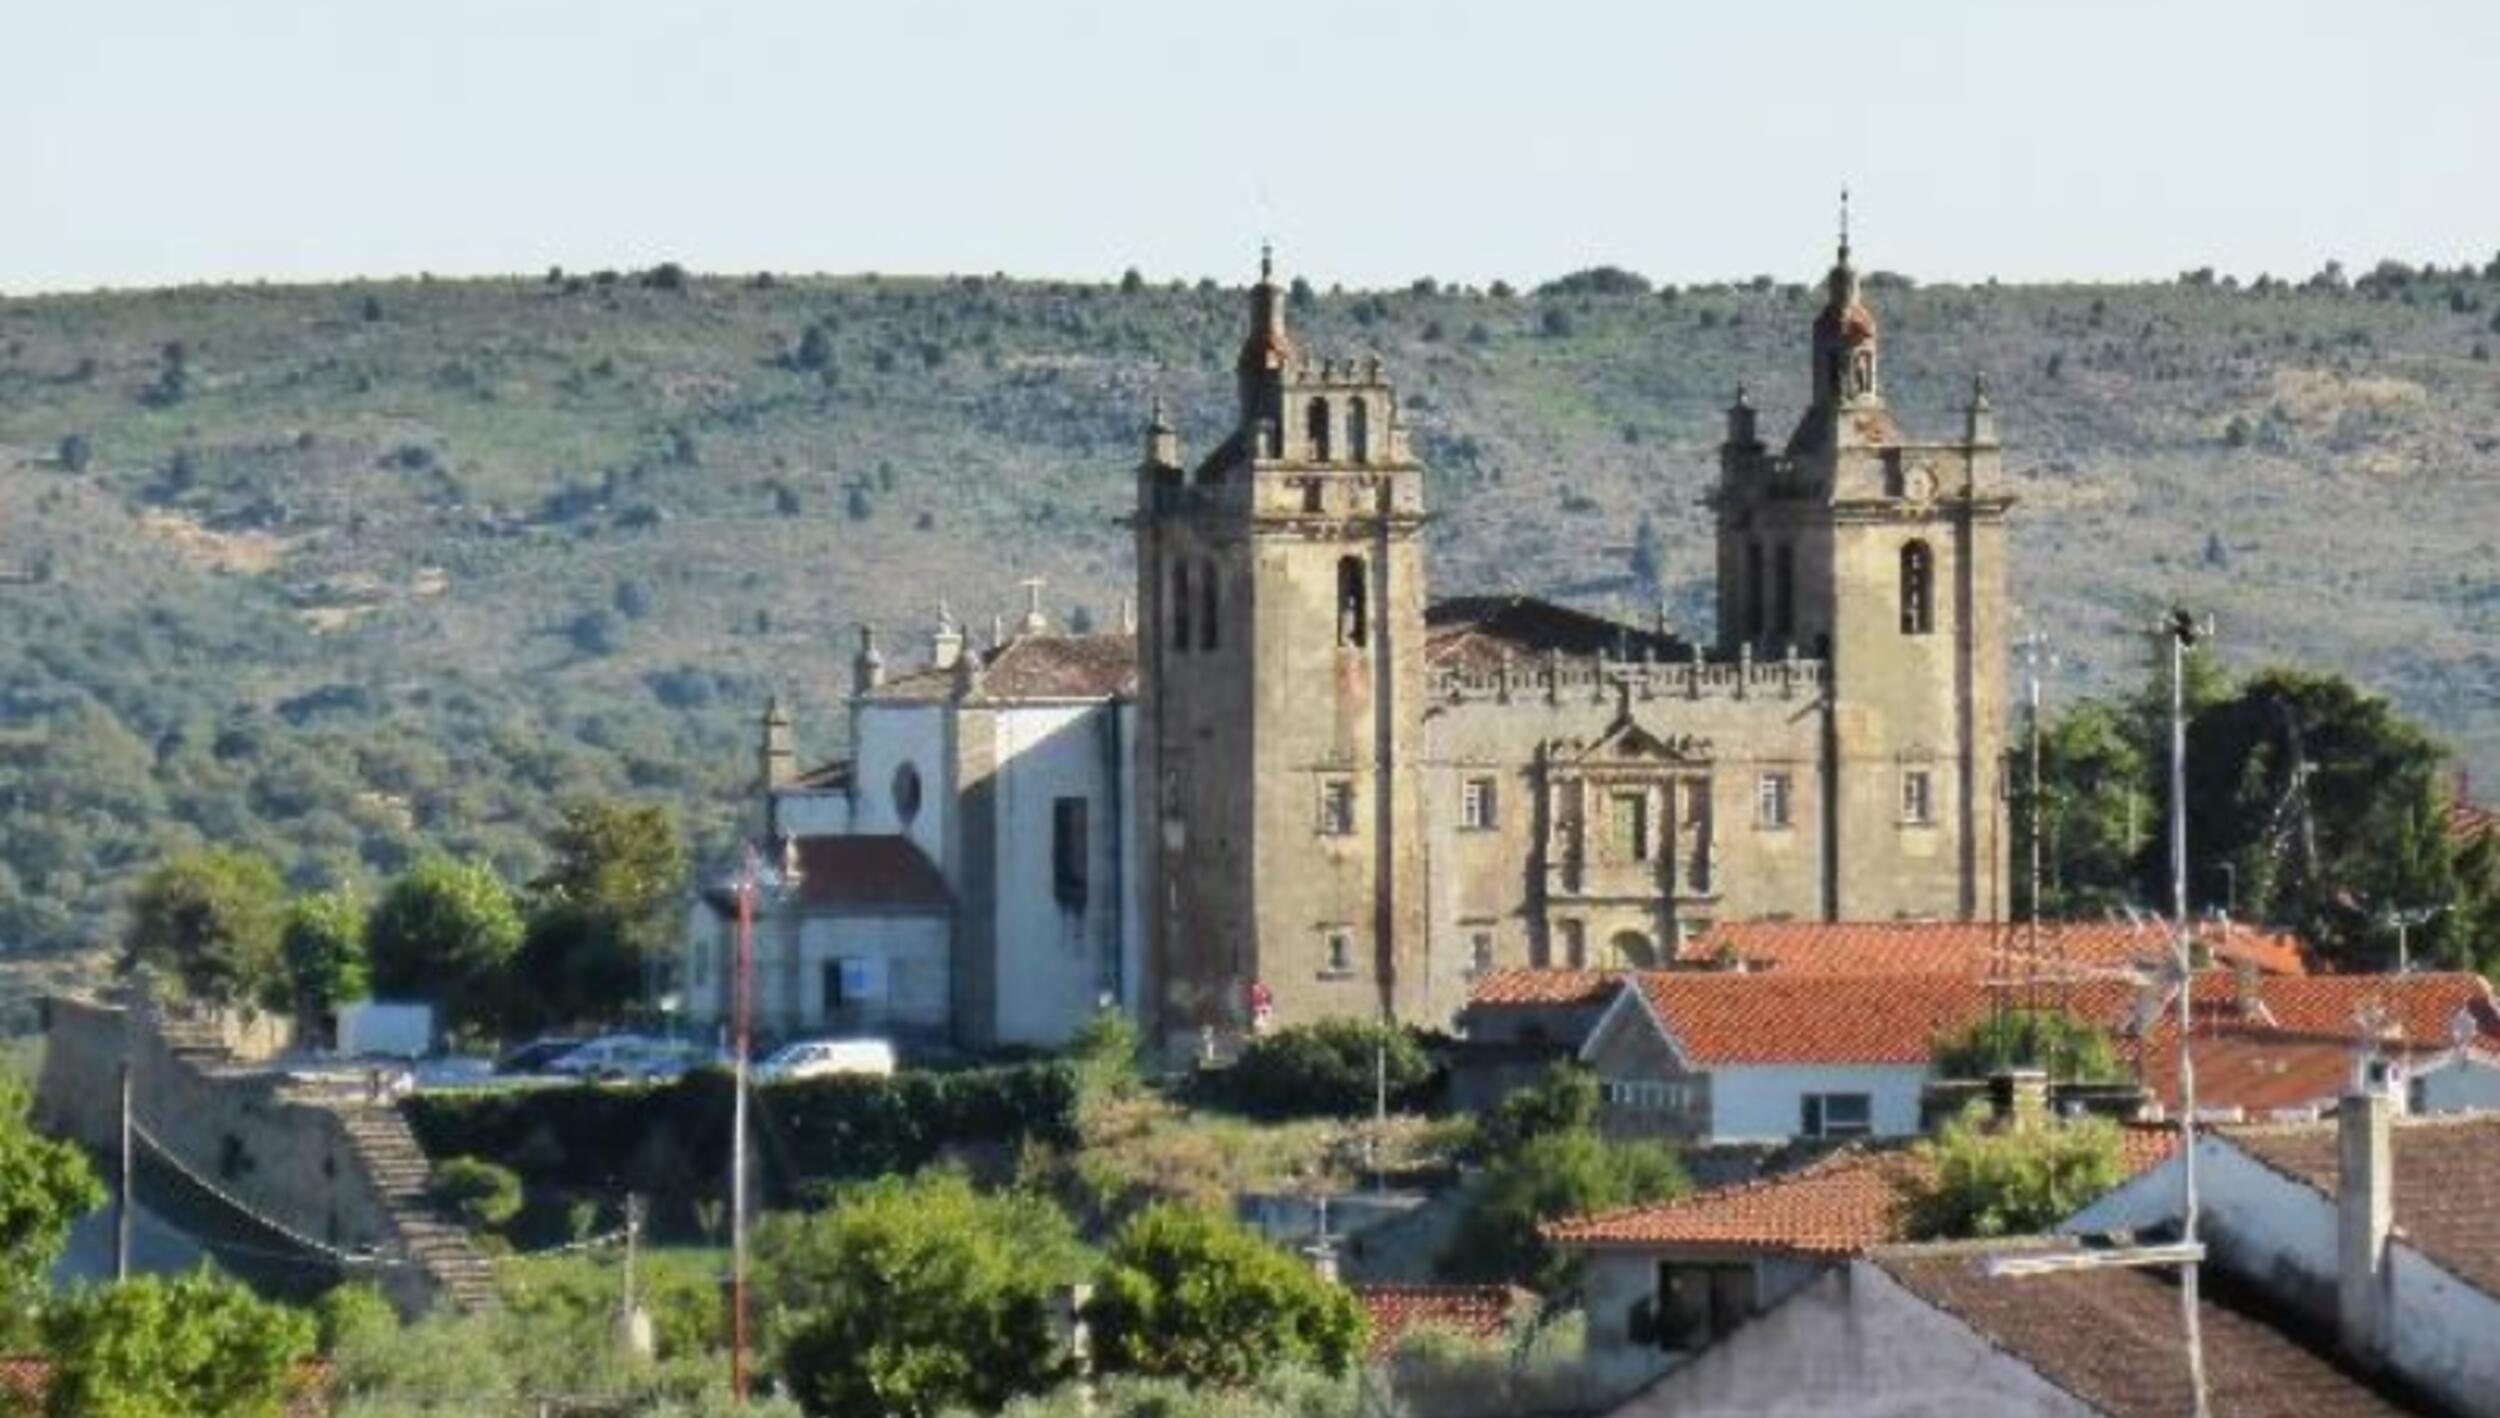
(156, 142)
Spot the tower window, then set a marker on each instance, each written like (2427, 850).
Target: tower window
(1629, 813)
(1180, 605)
(1479, 952)
(1358, 430)
(1206, 605)
(1771, 801)
(1918, 797)
(1475, 804)
(1784, 593)
(1353, 602)
(1315, 422)
(1753, 590)
(1339, 960)
(1069, 853)
(1336, 808)
(1918, 589)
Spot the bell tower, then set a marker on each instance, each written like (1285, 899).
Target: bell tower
(1886, 558)
(1280, 656)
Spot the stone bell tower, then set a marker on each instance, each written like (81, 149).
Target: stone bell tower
(1886, 557)
(1280, 655)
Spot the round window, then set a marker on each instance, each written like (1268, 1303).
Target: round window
(906, 793)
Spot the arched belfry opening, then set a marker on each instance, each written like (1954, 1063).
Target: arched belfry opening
(1353, 602)
(1358, 430)
(1315, 425)
(1918, 589)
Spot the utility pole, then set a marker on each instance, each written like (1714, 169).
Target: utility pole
(753, 876)
(2033, 649)
(123, 1193)
(633, 1326)
(2183, 631)
(1380, 1114)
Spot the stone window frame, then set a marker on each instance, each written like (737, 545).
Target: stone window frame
(1336, 811)
(1479, 803)
(1775, 801)
(1336, 959)
(1918, 795)
(1483, 946)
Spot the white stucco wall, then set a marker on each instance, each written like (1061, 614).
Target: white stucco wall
(1054, 964)
(1761, 1102)
(884, 738)
(789, 988)
(806, 813)
(1853, 1344)
(2460, 1085)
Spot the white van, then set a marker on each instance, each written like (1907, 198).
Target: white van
(815, 1058)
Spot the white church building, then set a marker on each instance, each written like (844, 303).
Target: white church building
(968, 874)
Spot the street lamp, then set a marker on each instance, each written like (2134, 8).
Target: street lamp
(755, 877)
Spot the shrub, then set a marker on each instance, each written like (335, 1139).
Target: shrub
(76, 453)
(2030, 1038)
(2012, 1181)
(482, 1194)
(1189, 1294)
(197, 1345)
(1331, 1068)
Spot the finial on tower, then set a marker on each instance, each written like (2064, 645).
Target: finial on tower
(1844, 225)
(1267, 261)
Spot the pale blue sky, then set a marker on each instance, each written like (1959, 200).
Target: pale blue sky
(154, 141)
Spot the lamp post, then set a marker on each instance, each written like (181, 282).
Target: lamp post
(754, 876)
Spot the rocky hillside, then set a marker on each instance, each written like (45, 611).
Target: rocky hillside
(344, 571)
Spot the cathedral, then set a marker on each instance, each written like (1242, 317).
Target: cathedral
(1293, 785)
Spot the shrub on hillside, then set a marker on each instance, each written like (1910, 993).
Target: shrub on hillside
(1332, 1068)
(482, 1194)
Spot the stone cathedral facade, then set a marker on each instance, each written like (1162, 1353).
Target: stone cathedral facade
(1311, 789)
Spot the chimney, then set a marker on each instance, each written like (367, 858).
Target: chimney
(947, 645)
(2365, 1212)
(2019, 1097)
(776, 756)
(2247, 998)
(867, 667)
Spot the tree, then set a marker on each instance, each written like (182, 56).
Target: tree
(482, 1194)
(2046, 1039)
(76, 452)
(447, 931)
(1189, 1294)
(815, 348)
(624, 863)
(323, 944)
(211, 918)
(45, 1186)
(916, 1294)
(1572, 1172)
(1328, 1068)
(2011, 1181)
(574, 965)
(196, 1345)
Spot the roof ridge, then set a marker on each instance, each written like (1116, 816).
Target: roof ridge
(1752, 1186)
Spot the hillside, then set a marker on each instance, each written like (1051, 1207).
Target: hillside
(341, 571)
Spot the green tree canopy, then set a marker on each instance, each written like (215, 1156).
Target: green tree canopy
(1547, 1177)
(1328, 1068)
(45, 1186)
(447, 931)
(210, 919)
(915, 1294)
(2012, 1181)
(323, 946)
(1189, 1294)
(623, 862)
(2046, 1039)
(196, 1345)
(482, 1194)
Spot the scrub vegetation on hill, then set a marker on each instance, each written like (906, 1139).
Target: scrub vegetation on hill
(352, 575)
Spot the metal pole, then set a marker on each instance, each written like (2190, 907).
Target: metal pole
(2182, 632)
(1380, 1113)
(122, 1200)
(740, 985)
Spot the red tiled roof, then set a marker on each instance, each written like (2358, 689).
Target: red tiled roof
(1843, 1204)
(868, 873)
(1474, 1311)
(2467, 821)
(1543, 987)
(1477, 633)
(2444, 1171)
(1978, 947)
(1721, 1019)
(2109, 1337)
(1046, 666)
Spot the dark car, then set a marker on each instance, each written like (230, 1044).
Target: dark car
(534, 1056)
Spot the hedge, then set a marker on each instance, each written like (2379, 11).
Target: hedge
(671, 1141)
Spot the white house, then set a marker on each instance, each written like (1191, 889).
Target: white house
(1737, 1057)
(979, 878)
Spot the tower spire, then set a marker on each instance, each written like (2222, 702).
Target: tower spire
(1266, 353)
(1844, 225)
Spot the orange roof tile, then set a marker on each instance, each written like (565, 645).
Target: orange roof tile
(1474, 1311)
(1841, 1205)
(1720, 1019)
(1550, 987)
(1980, 947)
(2291, 1044)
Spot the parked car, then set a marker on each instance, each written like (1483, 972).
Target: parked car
(537, 1054)
(633, 1057)
(815, 1058)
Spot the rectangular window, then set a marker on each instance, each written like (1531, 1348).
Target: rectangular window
(1918, 802)
(1771, 804)
(835, 998)
(1069, 853)
(1480, 951)
(1336, 808)
(1575, 949)
(1475, 804)
(1837, 1115)
(1338, 960)
(1628, 813)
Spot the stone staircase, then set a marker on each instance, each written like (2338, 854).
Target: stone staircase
(400, 1172)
